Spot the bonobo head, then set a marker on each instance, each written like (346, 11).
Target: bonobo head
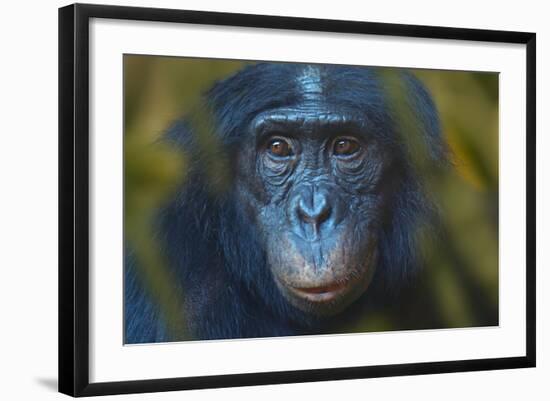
(320, 172)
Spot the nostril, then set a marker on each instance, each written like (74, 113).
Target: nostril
(316, 212)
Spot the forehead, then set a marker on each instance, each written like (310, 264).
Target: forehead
(309, 84)
(317, 106)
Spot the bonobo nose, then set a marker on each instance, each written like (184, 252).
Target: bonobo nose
(312, 207)
(314, 210)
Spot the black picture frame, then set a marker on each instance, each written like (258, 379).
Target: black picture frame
(74, 194)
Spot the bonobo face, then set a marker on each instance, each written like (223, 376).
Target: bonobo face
(317, 197)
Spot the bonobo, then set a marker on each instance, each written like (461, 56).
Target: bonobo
(321, 208)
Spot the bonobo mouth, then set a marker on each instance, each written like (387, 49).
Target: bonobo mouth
(320, 294)
(322, 277)
(329, 296)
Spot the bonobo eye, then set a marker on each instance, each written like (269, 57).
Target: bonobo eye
(346, 147)
(279, 147)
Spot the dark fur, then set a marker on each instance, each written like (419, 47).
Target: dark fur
(214, 250)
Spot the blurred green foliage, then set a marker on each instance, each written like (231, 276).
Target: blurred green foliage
(156, 92)
(459, 285)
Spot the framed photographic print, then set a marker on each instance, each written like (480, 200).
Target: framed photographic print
(250, 199)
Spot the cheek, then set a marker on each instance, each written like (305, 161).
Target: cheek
(366, 211)
(363, 175)
(275, 174)
(249, 184)
(263, 207)
(264, 181)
